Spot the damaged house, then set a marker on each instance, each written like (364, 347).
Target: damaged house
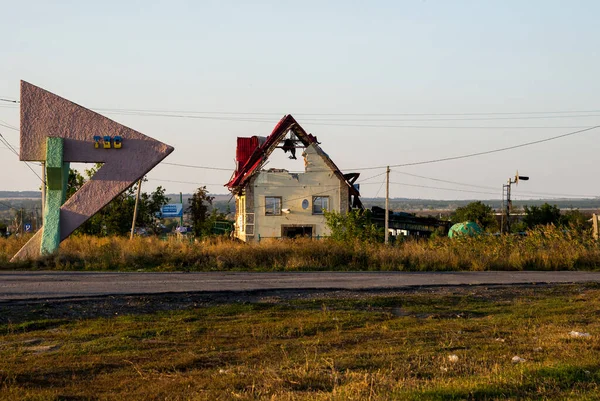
(274, 203)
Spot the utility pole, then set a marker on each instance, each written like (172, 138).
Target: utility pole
(508, 205)
(502, 211)
(135, 209)
(181, 201)
(507, 202)
(387, 204)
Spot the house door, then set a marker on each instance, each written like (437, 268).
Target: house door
(296, 231)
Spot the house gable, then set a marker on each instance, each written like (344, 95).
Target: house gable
(251, 161)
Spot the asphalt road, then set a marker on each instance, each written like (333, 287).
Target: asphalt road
(16, 285)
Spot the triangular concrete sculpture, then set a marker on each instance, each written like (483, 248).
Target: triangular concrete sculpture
(57, 131)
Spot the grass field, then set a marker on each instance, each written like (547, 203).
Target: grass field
(546, 248)
(448, 343)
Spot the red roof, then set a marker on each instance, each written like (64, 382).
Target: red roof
(261, 153)
(245, 148)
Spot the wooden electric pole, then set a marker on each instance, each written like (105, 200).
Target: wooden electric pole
(181, 201)
(21, 223)
(135, 209)
(387, 204)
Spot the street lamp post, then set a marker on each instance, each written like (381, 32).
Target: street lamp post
(507, 202)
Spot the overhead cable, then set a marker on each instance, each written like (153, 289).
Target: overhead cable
(487, 152)
(465, 156)
(528, 193)
(6, 125)
(12, 149)
(199, 167)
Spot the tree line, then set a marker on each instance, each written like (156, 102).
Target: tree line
(116, 217)
(533, 216)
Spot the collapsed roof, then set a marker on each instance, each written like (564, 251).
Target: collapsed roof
(251, 154)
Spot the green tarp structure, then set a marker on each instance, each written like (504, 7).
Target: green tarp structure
(469, 228)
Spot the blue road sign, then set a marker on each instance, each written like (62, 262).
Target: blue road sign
(172, 210)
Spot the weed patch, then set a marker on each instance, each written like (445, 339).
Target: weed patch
(327, 348)
(547, 248)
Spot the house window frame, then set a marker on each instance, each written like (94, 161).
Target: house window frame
(322, 208)
(276, 212)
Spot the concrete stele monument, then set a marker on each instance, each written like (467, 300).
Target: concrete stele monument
(57, 132)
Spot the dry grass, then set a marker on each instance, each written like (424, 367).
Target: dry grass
(382, 348)
(543, 249)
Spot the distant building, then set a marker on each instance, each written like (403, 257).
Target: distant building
(406, 224)
(278, 203)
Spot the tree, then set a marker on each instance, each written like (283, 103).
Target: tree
(551, 214)
(575, 219)
(478, 212)
(541, 215)
(115, 218)
(75, 182)
(354, 225)
(199, 210)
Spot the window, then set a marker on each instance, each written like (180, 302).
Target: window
(272, 205)
(293, 231)
(320, 203)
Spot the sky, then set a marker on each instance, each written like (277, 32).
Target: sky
(379, 83)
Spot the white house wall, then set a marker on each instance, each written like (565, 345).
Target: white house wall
(294, 188)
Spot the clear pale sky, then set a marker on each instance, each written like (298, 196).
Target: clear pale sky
(312, 58)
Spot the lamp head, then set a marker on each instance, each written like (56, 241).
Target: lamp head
(520, 177)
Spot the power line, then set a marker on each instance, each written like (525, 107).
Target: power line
(370, 168)
(447, 127)
(255, 186)
(9, 206)
(271, 113)
(180, 182)
(202, 117)
(333, 124)
(381, 186)
(528, 193)
(370, 178)
(7, 125)
(230, 170)
(429, 161)
(395, 183)
(320, 122)
(199, 167)
(536, 114)
(556, 195)
(486, 193)
(451, 119)
(10, 147)
(5, 142)
(234, 113)
(442, 180)
(487, 152)
(440, 188)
